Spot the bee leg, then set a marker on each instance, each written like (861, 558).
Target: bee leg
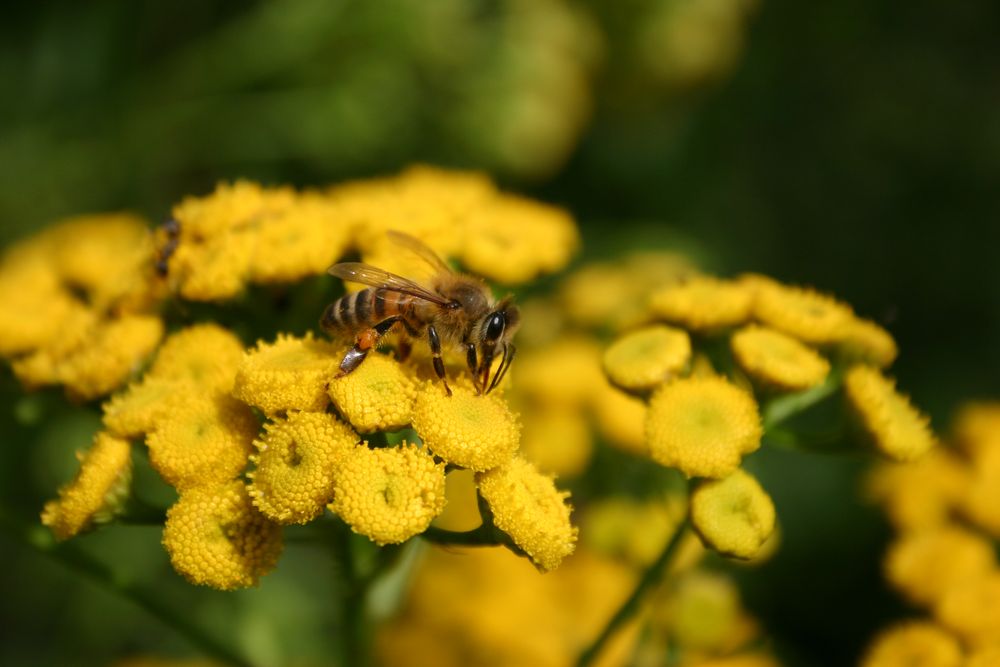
(432, 336)
(470, 358)
(367, 339)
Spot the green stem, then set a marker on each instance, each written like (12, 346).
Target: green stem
(353, 590)
(784, 407)
(650, 578)
(74, 558)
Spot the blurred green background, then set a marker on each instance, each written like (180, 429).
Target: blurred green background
(854, 146)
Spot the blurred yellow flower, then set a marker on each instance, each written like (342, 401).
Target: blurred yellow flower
(643, 359)
(207, 355)
(568, 372)
(801, 312)
(778, 360)
(896, 428)
(986, 656)
(635, 530)
(97, 492)
(914, 643)
(296, 459)
(927, 564)
(976, 428)
(465, 429)
(701, 612)
(143, 405)
(920, 494)
(528, 507)
(702, 426)
(377, 396)
(214, 268)
(621, 419)
(734, 516)
(289, 374)
(389, 494)
(972, 609)
(867, 342)
(215, 537)
(557, 441)
(980, 499)
(703, 303)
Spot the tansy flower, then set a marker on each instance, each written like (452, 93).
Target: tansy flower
(96, 493)
(632, 529)
(207, 355)
(925, 565)
(295, 465)
(985, 656)
(980, 499)
(230, 206)
(866, 342)
(389, 494)
(702, 426)
(972, 609)
(734, 516)
(288, 374)
(914, 643)
(642, 360)
(597, 295)
(144, 405)
(801, 312)
(897, 429)
(703, 303)
(528, 507)
(376, 396)
(465, 429)
(976, 428)
(557, 441)
(702, 612)
(920, 494)
(212, 269)
(621, 419)
(568, 372)
(215, 537)
(207, 443)
(778, 360)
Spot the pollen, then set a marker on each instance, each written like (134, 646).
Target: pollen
(98, 491)
(925, 565)
(703, 303)
(702, 426)
(802, 313)
(288, 374)
(642, 360)
(528, 507)
(215, 537)
(734, 516)
(914, 643)
(777, 360)
(295, 464)
(897, 429)
(207, 355)
(390, 494)
(465, 429)
(207, 443)
(377, 396)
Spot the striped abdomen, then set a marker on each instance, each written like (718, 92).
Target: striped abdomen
(366, 308)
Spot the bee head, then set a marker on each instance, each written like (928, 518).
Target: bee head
(494, 331)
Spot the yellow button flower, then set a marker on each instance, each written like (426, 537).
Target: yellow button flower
(215, 537)
(734, 516)
(205, 354)
(295, 465)
(557, 441)
(920, 494)
(703, 303)
(389, 494)
(288, 374)
(927, 564)
(972, 609)
(528, 507)
(230, 206)
(621, 419)
(144, 405)
(377, 396)
(914, 643)
(703, 611)
(213, 269)
(96, 493)
(896, 428)
(866, 342)
(778, 360)
(979, 501)
(465, 429)
(568, 372)
(206, 443)
(702, 426)
(632, 529)
(801, 312)
(986, 656)
(976, 428)
(642, 360)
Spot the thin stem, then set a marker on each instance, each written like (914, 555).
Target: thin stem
(650, 577)
(784, 407)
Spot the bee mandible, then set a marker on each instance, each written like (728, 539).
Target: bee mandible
(454, 309)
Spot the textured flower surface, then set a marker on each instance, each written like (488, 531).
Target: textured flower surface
(925, 565)
(205, 354)
(778, 360)
(734, 516)
(914, 643)
(703, 303)
(288, 374)
(897, 429)
(377, 396)
(643, 359)
(801, 312)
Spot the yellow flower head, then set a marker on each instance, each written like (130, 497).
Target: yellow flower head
(527, 506)
(986, 656)
(377, 396)
(207, 355)
(144, 405)
(632, 529)
(914, 643)
(215, 537)
(703, 303)
(920, 494)
(778, 360)
(568, 372)
(976, 428)
(389, 494)
(979, 501)
(295, 465)
(703, 611)
(866, 342)
(96, 493)
(212, 269)
(597, 296)
(896, 428)
(557, 441)
(734, 516)
(465, 429)
(230, 206)
(621, 419)
(206, 443)
(644, 359)
(925, 565)
(801, 312)
(288, 374)
(972, 609)
(702, 426)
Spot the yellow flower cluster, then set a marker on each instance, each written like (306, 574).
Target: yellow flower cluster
(898, 430)
(734, 516)
(77, 304)
(946, 507)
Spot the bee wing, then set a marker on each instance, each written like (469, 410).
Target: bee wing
(420, 249)
(367, 274)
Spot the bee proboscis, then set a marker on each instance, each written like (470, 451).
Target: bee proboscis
(454, 308)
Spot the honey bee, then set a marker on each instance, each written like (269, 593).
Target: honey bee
(454, 308)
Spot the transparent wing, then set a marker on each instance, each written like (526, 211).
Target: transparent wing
(367, 274)
(420, 249)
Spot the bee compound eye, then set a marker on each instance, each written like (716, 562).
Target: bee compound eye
(494, 328)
